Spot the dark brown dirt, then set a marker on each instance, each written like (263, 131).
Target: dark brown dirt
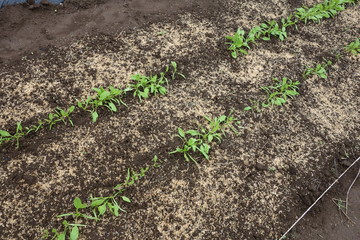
(327, 221)
(24, 30)
(255, 184)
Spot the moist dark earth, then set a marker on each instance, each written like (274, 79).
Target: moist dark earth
(256, 183)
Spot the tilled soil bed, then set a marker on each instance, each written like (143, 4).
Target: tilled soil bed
(255, 184)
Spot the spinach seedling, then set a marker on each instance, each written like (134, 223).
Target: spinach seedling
(18, 134)
(238, 43)
(70, 230)
(143, 86)
(280, 92)
(5, 136)
(107, 98)
(354, 47)
(319, 70)
(199, 140)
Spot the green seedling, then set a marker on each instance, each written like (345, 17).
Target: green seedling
(272, 169)
(272, 28)
(35, 128)
(254, 34)
(319, 70)
(339, 203)
(5, 136)
(162, 33)
(98, 206)
(354, 47)
(144, 86)
(155, 161)
(18, 134)
(60, 115)
(327, 9)
(52, 120)
(280, 92)
(70, 230)
(64, 115)
(77, 214)
(255, 106)
(153, 85)
(199, 140)
(107, 98)
(289, 21)
(191, 144)
(238, 42)
(133, 176)
(175, 71)
(221, 124)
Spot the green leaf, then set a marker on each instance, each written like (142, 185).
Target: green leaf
(145, 94)
(80, 104)
(102, 209)
(71, 109)
(210, 138)
(191, 141)
(292, 92)
(78, 204)
(222, 118)
(125, 199)
(193, 132)
(96, 90)
(119, 186)
(112, 107)
(4, 133)
(97, 202)
(234, 54)
(204, 150)
(65, 215)
(162, 90)
(323, 75)
(181, 133)
(18, 127)
(95, 116)
(104, 95)
(116, 210)
(74, 233)
(247, 108)
(61, 236)
(280, 101)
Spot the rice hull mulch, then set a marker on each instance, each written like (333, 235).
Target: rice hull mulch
(254, 185)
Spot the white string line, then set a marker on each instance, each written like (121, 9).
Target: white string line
(317, 200)
(348, 192)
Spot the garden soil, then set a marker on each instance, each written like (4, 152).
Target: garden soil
(256, 183)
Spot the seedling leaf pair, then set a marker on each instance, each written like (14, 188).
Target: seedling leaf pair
(104, 97)
(144, 86)
(354, 47)
(319, 70)
(199, 140)
(279, 93)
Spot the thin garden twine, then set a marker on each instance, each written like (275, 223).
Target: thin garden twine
(317, 200)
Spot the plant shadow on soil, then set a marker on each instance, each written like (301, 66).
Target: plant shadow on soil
(255, 184)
